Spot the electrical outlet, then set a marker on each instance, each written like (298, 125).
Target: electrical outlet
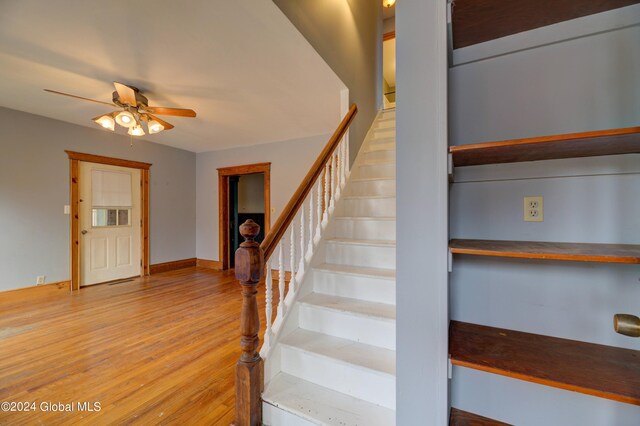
(533, 209)
(40, 279)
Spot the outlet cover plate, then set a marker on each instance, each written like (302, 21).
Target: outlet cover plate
(534, 209)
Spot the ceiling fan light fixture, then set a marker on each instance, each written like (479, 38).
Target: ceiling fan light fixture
(388, 3)
(154, 127)
(106, 121)
(136, 131)
(126, 119)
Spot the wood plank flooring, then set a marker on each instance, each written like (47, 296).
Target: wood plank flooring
(156, 350)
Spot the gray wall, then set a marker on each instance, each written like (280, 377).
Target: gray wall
(290, 162)
(422, 237)
(34, 188)
(348, 36)
(578, 84)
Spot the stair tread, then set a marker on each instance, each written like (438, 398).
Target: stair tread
(355, 306)
(375, 358)
(377, 162)
(380, 218)
(388, 243)
(321, 405)
(360, 197)
(372, 179)
(357, 270)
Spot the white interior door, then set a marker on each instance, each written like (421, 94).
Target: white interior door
(110, 225)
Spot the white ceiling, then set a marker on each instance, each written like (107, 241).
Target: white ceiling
(241, 65)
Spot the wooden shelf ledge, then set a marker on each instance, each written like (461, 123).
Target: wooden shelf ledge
(598, 370)
(572, 145)
(580, 252)
(464, 418)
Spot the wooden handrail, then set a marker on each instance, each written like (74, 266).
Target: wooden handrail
(286, 217)
(250, 260)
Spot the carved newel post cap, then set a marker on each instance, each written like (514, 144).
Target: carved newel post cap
(249, 230)
(249, 259)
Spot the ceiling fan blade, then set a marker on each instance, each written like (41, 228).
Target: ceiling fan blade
(127, 94)
(78, 97)
(171, 111)
(167, 126)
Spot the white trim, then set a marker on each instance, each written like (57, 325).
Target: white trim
(576, 28)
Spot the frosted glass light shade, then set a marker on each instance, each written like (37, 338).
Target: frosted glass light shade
(154, 127)
(136, 131)
(106, 121)
(125, 119)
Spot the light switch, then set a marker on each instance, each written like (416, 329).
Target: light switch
(67, 209)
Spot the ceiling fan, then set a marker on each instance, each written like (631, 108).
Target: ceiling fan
(134, 110)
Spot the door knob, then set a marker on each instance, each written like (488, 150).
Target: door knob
(626, 324)
(84, 231)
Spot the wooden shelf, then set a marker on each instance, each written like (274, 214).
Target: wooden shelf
(580, 252)
(572, 145)
(603, 371)
(464, 418)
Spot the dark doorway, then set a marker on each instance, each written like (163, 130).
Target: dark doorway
(243, 193)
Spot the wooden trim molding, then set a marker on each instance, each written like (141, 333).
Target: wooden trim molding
(223, 205)
(26, 291)
(74, 185)
(91, 158)
(389, 36)
(216, 265)
(173, 265)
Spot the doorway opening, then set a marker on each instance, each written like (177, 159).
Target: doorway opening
(109, 219)
(243, 193)
(389, 57)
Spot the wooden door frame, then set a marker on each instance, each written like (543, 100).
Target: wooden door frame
(223, 203)
(74, 185)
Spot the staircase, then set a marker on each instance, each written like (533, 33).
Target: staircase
(334, 361)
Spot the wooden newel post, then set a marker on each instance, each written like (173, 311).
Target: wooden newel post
(249, 266)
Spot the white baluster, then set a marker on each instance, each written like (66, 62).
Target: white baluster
(343, 172)
(327, 177)
(311, 213)
(292, 261)
(302, 246)
(332, 186)
(269, 302)
(318, 235)
(346, 156)
(338, 155)
(281, 307)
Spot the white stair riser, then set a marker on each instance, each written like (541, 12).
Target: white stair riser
(384, 133)
(373, 187)
(365, 229)
(361, 255)
(342, 377)
(389, 114)
(386, 124)
(274, 416)
(370, 289)
(368, 207)
(381, 154)
(378, 141)
(384, 170)
(368, 330)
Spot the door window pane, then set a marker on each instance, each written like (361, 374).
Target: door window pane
(123, 217)
(103, 217)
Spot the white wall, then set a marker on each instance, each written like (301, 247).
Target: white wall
(34, 188)
(422, 317)
(290, 161)
(578, 84)
(251, 193)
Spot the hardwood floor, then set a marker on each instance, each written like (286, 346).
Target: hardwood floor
(158, 350)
